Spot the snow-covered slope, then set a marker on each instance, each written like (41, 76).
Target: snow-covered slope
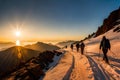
(114, 38)
(92, 50)
(110, 35)
(62, 70)
(89, 66)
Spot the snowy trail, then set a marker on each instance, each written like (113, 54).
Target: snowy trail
(90, 66)
(62, 70)
(67, 76)
(109, 72)
(98, 70)
(81, 70)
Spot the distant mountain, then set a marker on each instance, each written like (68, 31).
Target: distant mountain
(34, 68)
(64, 43)
(12, 57)
(40, 46)
(5, 45)
(109, 23)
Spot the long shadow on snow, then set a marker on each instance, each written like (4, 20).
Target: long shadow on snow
(101, 56)
(99, 73)
(67, 76)
(110, 59)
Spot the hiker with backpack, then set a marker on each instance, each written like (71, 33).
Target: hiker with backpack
(77, 46)
(105, 45)
(82, 46)
(65, 46)
(71, 47)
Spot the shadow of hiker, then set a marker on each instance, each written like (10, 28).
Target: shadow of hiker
(93, 54)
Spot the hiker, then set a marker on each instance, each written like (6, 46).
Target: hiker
(66, 46)
(105, 45)
(77, 46)
(82, 46)
(71, 47)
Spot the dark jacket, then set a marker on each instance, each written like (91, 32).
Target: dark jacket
(77, 45)
(105, 44)
(71, 46)
(82, 45)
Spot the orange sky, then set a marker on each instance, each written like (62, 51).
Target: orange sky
(54, 20)
(30, 33)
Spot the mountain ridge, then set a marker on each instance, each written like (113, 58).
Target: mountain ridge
(13, 56)
(109, 22)
(40, 46)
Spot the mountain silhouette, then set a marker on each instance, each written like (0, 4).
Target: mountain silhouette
(64, 43)
(12, 57)
(5, 45)
(109, 23)
(40, 46)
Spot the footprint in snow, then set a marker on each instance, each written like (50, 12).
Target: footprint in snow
(90, 76)
(88, 68)
(81, 57)
(85, 62)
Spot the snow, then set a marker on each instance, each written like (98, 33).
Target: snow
(81, 68)
(90, 66)
(56, 60)
(59, 72)
(92, 50)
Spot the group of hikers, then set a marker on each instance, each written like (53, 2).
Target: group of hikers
(104, 45)
(82, 46)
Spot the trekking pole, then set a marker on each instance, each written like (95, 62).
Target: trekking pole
(99, 54)
(113, 53)
(86, 49)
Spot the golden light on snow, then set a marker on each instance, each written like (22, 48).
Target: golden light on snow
(17, 43)
(17, 33)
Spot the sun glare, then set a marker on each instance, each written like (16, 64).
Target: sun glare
(17, 33)
(17, 43)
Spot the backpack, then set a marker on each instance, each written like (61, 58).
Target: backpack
(77, 45)
(71, 46)
(106, 44)
(82, 45)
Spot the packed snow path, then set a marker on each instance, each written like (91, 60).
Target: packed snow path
(62, 70)
(101, 69)
(99, 73)
(81, 70)
(85, 68)
(74, 66)
(88, 67)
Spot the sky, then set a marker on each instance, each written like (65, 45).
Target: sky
(52, 20)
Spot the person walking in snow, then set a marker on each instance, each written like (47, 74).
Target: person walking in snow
(105, 45)
(71, 47)
(82, 46)
(66, 46)
(77, 46)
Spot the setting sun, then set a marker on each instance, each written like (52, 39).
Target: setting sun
(17, 33)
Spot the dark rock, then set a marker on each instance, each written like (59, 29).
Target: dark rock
(33, 68)
(109, 23)
(117, 29)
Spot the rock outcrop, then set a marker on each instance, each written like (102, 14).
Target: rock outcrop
(12, 57)
(33, 69)
(108, 23)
